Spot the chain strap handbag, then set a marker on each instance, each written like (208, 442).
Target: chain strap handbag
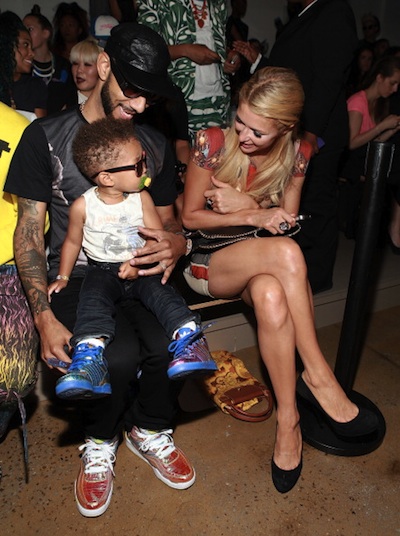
(208, 240)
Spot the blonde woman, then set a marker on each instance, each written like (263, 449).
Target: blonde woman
(252, 174)
(83, 58)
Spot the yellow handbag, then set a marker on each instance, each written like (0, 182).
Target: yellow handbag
(236, 391)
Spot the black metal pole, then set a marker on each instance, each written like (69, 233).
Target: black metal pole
(378, 162)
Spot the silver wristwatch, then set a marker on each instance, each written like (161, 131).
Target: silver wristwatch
(189, 243)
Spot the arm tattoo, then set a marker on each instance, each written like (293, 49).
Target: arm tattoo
(30, 255)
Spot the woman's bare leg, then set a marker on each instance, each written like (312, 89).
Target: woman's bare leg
(276, 342)
(231, 270)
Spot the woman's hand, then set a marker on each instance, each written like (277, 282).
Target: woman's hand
(272, 219)
(391, 123)
(224, 199)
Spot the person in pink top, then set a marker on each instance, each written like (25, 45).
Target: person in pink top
(369, 120)
(368, 108)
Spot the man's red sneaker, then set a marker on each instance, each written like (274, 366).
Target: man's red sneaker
(94, 485)
(168, 462)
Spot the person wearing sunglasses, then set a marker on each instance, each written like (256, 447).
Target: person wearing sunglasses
(132, 71)
(106, 220)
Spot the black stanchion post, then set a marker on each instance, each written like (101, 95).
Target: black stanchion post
(315, 431)
(378, 166)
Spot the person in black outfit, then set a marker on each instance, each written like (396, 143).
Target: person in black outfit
(237, 30)
(43, 173)
(309, 44)
(53, 69)
(70, 26)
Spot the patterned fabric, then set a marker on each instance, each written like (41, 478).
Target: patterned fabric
(196, 273)
(235, 390)
(173, 19)
(209, 147)
(19, 343)
(18, 338)
(303, 155)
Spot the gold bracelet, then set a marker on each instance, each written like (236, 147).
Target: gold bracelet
(63, 277)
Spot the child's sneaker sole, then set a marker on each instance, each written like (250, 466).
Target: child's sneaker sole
(75, 389)
(192, 369)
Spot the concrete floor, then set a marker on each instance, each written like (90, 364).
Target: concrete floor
(233, 494)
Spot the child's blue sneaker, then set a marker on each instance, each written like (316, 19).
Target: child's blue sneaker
(191, 355)
(87, 377)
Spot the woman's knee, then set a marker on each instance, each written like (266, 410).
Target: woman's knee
(292, 258)
(269, 300)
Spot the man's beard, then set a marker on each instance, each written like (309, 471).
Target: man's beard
(106, 98)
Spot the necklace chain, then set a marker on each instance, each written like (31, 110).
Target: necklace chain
(96, 191)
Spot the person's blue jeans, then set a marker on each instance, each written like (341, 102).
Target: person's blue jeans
(102, 289)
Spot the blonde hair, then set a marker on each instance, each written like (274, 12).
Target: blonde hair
(272, 93)
(86, 51)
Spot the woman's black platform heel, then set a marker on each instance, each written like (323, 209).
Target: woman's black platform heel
(365, 423)
(283, 480)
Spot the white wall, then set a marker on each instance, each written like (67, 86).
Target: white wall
(260, 15)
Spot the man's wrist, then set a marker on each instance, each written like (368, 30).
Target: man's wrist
(42, 316)
(189, 244)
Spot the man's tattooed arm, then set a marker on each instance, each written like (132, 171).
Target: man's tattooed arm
(30, 255)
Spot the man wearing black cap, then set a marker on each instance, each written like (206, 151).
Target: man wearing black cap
(132, 75)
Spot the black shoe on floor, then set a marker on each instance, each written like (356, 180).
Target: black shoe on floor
(284, 480)
(363, 424)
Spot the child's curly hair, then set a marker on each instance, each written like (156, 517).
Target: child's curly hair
(97, 145)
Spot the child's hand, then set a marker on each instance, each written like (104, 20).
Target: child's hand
(56, 286)
(126, 271)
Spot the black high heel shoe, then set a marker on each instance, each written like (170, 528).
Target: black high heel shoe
(284, 480)
(363, 424)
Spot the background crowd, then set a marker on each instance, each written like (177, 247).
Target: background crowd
(351, 88)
